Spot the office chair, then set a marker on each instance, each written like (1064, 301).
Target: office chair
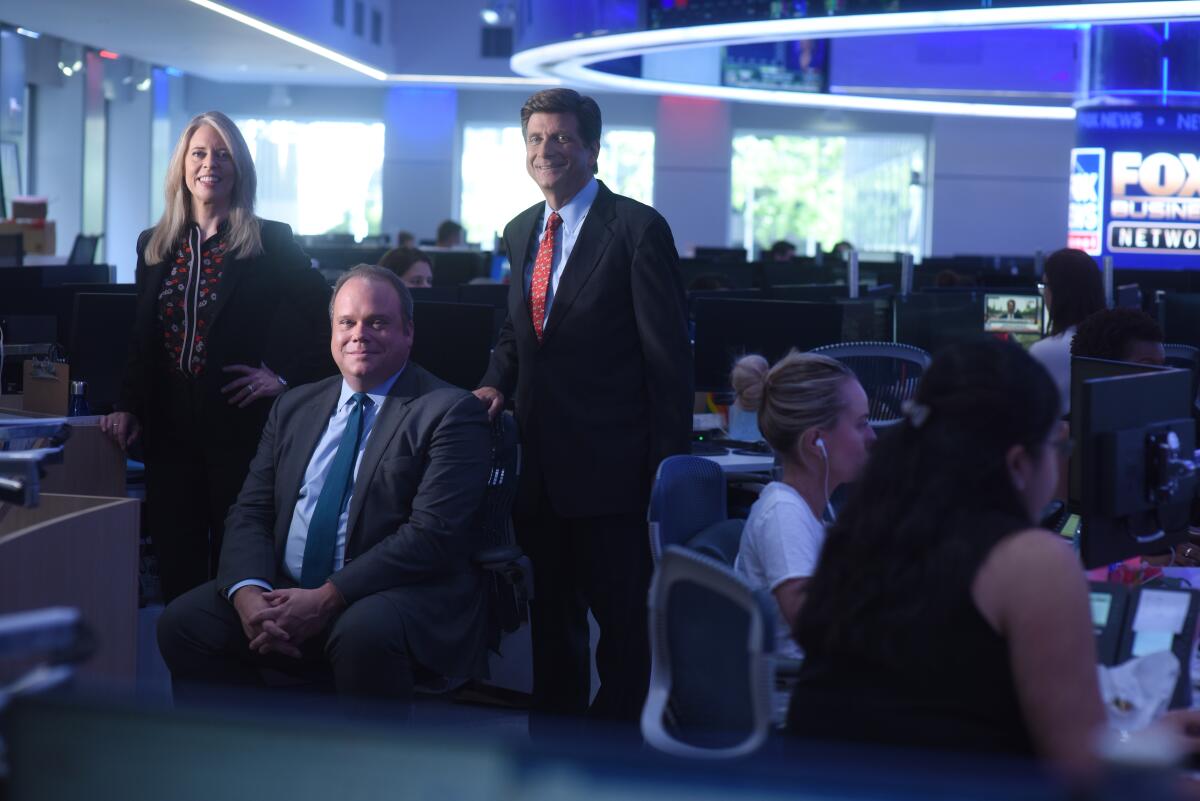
(889, 373)
(711, 637)
(719, 541)
(688, 497)
(83, 250)
(12, 250)
(508, 571)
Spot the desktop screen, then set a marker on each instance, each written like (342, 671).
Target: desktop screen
(1101, 607)
(1012, 313)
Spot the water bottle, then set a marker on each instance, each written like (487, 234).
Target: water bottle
(78, 405)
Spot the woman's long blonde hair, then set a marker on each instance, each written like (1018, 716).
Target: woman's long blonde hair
(244, 239)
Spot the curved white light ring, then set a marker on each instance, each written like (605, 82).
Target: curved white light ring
(582, 75)
(570, 59)
(619, 45)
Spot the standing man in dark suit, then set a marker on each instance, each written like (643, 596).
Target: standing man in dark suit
(595, 349)
(350, 545)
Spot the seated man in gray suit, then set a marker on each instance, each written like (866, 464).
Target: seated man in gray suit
(349, 548)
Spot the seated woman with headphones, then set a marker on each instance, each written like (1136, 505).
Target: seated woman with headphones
(813, 413)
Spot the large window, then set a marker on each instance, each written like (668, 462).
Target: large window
(319, 177)
(495, 186)
(810, 190)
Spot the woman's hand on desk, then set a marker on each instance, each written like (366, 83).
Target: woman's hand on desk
(255, 384)
(122, 427)
(494, 399)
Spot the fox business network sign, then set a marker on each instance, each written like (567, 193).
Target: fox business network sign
(1135, 187)
(1153, 202)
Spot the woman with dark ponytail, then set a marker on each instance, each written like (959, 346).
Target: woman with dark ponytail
(940, 615)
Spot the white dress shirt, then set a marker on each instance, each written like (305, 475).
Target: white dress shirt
(314, 480)
(573, 213)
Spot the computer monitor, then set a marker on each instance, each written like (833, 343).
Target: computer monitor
(721, 254)
(1014, 317)
(1109, 605)
(1179, 316)
(454, 340)
(1012, 313)
(101, 325)
(486, 294)
(1128, 296)
(733, 274)
(1084, 369)
(729, 329)
(454, 267)
(934, 320)
(1135, 439)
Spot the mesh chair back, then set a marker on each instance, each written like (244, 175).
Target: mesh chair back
(688, 496)
(710, 681)
(888, 371)
(720, 541)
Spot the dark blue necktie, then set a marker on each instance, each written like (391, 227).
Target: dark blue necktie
(323, 527)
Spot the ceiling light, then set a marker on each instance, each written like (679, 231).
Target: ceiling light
(571, 59)
(108, 54)
(293, 39)
(471, 80)
(29, 33)
(144, 85)
(490, 16)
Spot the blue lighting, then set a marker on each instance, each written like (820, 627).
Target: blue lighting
(173, 72)
(1166, 65)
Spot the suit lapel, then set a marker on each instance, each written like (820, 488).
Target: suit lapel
(585, 256)
(310, 424)
(394, 410)
(523, 239)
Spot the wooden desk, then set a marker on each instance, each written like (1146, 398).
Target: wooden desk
(92, 464)
(78, 551)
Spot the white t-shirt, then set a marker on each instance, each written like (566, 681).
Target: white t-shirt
(782, 540)
(1055, 355)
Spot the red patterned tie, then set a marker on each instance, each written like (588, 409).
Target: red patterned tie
(541, 275)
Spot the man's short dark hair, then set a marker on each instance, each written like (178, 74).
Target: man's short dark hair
(448, 229)
(374, 272)
(565, 101)
(1109, 333)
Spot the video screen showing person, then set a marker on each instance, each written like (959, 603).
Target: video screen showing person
(1013, 314)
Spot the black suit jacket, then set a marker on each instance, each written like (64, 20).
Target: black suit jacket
(608, 393)
(271, 309)
(413, 514)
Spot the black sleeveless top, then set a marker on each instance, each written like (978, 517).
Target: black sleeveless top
(958, 694)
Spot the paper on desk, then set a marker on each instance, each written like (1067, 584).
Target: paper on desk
(1161, 610)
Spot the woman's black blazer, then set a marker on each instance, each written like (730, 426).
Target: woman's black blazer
(273, 309)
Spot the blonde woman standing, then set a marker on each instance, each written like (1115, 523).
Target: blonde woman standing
(812, 411)
(229, 316)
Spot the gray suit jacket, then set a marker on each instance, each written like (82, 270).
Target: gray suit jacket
(413, 519)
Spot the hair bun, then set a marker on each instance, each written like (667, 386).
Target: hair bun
(750, 379)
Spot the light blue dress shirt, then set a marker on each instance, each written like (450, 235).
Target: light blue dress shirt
(314, 480)
(573, 213)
